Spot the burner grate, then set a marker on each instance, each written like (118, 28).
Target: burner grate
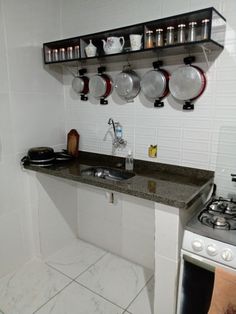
(219, 214)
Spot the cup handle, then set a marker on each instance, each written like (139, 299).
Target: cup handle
(123, 41)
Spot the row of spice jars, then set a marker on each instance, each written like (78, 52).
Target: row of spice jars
(182, 35)
(61, 54)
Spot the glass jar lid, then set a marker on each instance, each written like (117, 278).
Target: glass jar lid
(192, 24)
(181, 25)
(149, 32)
(159, 30)
(205, 21)
(170, 28)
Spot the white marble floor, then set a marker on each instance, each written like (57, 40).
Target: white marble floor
(79, 279)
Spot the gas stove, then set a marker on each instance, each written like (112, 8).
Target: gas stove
(216, 220)
(211, 234)
(220, 214)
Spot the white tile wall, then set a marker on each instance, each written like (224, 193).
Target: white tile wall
(31, 114)
(184, 138)
(57, 213)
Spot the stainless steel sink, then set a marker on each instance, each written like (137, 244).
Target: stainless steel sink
(108, 173)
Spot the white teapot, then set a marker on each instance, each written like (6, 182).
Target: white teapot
(113, 45)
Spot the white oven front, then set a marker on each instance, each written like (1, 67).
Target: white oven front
(196, 281)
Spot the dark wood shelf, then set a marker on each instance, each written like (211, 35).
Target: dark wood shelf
(215, 41)
(178, 49)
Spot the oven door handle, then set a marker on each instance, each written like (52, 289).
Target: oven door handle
(199, 262)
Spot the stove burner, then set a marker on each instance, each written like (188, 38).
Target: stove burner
(219, 221)
(219, 214)
(231, 209)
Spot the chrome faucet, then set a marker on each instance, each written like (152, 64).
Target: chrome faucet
(117, 142)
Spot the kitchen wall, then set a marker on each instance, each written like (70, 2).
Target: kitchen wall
(31, 114)
(34, 108)
(183, 138)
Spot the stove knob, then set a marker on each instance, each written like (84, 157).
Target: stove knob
(227, 255)
(212, 250)
(197, 245)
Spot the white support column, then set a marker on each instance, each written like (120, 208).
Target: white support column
(167, 248)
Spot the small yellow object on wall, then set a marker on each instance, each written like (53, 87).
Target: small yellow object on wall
(152, 151)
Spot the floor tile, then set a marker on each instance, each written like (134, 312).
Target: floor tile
(144, 303)
(116, 279)
(31, 286)
(75, 299)
(76, 258)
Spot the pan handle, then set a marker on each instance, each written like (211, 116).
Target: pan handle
(188, 106)
(103, 101)
(25, 160)
(158, 103)
(189, 60)
(157, 64)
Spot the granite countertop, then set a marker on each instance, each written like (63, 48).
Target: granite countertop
(167, 184)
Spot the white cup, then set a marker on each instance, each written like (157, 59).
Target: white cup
(135, 41)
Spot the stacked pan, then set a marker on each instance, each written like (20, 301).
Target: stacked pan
(44, 156)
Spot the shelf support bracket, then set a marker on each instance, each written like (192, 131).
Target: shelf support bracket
(205, 51)
(69, 70)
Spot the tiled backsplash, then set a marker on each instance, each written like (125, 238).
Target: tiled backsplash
(183, 138)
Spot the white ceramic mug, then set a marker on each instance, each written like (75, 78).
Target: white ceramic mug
(135, 41)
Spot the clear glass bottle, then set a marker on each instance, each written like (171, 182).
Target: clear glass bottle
(181, 33)
(129, 161)
(55, 56)
(159, 37)
(205, 28)
(76, 50)
(62, 54)
(49, 55)
(192, 32)
(170, 37)
(149, 39)
(119, 130)
(69, 52)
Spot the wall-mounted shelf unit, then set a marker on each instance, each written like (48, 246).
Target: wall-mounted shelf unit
(72, 49)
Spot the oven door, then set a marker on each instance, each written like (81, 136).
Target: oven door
(196, 282)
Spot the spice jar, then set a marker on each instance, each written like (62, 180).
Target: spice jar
(55, 55)
(170, 35)
(192, 31)
(49, 55)
(149, 39)
(76, 51)
(181, 33)
(62, 54)
(159, 37)
(205, 28)
(69, 52)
